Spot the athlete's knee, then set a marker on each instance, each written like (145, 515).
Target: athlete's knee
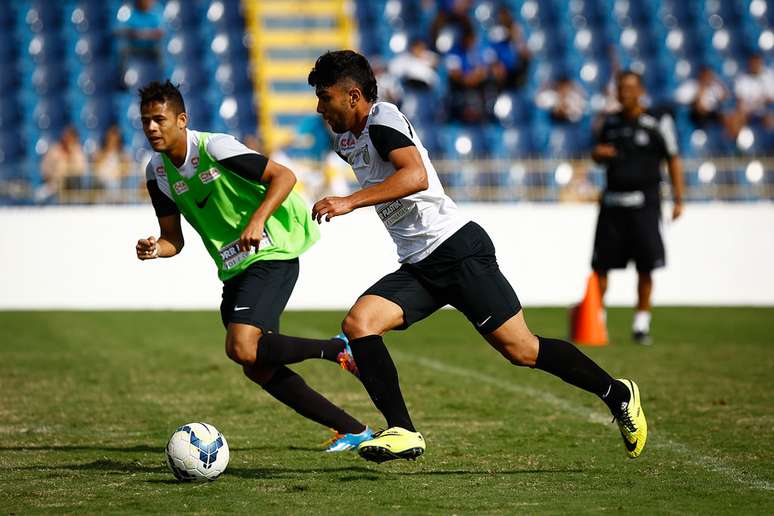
(521, 352)
(242, 347)
(357, 324)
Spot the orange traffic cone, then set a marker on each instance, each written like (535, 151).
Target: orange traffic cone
(587, 320)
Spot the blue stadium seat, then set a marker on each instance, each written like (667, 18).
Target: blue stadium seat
(421, 106)
(50, 114)
(97, 114)
(514, 142)
(48, 79)
(11, 147)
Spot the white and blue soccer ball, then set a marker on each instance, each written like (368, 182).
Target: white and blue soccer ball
(197, 452)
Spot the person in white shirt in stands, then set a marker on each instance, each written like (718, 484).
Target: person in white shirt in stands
(754, 92)
(705, 96)
(416, 68)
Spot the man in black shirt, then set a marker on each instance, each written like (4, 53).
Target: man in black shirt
(632, 144)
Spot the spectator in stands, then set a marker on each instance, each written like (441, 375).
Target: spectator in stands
(513, 56)
(389, 88)
(140, 34)
(451, 24)
(705, 96)
(111, 163)
(417, 68)
(565, 100)
(471, 81)
(754, 92)
(64, 166)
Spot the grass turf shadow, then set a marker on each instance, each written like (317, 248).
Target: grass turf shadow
(348, 473)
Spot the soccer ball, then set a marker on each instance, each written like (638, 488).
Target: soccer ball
(197, 452)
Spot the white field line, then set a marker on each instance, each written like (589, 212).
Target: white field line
(664, 442)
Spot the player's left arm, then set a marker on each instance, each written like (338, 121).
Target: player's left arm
(280, 181)
(674, 163)
(675, 168)
(247, 163)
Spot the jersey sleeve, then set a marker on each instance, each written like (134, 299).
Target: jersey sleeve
(235, 156)
(150, 174)
(666, 128)
(390, 130)
(386, 139)
(162, 205)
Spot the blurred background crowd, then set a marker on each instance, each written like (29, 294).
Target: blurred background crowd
(505, 94)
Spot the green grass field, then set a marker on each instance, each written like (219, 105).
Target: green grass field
(88, 400)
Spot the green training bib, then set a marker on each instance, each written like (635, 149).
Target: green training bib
(218, 203)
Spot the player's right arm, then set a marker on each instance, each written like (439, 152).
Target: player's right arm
(168, 244)
(604, 150)
(171, 241)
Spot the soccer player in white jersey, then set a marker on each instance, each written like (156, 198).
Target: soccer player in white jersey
(445, 259)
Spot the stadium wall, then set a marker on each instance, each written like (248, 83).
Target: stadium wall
(83, 258)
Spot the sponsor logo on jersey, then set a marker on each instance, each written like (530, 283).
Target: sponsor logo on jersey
(180, 187)
(641, 138)
(195, 161)
(392, 212)
(208, 176)
(233, 256)
(161, 171)
(360, 154)
(347, 142)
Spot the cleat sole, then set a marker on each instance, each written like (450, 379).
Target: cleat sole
(379, 454)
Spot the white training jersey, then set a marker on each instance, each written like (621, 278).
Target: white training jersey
(420, 222)
(219, 145)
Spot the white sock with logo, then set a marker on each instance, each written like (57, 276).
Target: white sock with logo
(641, 322)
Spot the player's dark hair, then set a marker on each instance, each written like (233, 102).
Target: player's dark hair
(629, 73)
(162, 92)
(332, 67)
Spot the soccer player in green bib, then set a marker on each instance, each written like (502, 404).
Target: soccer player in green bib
(254, 228)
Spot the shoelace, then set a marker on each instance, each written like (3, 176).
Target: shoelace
(626, 420)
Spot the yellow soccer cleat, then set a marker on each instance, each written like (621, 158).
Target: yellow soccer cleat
(631, 421)
(393, 443)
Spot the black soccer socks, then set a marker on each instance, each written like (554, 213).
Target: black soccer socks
(562, 359)
(289, 388)
(380, 378)
(276, 349)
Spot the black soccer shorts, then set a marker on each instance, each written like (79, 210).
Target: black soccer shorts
(461, 272)
(626, 234)
(259, 294)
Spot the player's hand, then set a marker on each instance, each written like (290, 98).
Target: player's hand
(330, 207)
(604, 151)
(147, 248)
(677, 210)
(251, 236)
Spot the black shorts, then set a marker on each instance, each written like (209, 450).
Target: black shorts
(461, 272)
(625, 234)
(258, 295)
